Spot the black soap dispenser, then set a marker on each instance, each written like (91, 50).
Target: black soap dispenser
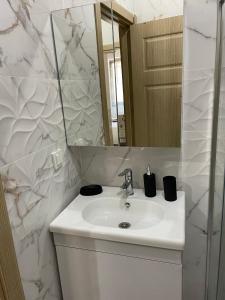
(149, 183)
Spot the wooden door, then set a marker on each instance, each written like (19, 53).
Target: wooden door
(156, 54)
(2, 294)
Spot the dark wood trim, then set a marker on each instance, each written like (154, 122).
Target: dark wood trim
(10, 281)
(119, 13)
(124, 32)
(105, 111)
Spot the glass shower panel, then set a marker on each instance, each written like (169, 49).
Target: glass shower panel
(216, 273)
(220, 175)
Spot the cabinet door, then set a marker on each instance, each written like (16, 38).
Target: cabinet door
(90, 275)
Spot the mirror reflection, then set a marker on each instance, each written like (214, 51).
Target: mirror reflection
(120, 73)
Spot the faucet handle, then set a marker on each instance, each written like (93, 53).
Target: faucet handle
(125, 172)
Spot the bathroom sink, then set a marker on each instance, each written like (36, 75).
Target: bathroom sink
(144, 221)
(112, 212)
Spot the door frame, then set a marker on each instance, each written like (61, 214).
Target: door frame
(124, 19)
(10, 281)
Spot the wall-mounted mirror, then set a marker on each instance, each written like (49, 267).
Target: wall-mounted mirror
(120, 72)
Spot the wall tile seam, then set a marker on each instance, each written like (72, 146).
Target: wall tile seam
(33, 153)
(29, 77)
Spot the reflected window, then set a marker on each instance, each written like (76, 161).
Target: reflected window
(116, 85)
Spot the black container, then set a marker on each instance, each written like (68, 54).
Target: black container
(91, 190)
(150, 185)
(170, 188)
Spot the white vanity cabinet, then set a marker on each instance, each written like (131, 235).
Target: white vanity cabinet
(99, 260)
(93, 269)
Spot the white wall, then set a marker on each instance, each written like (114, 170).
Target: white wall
(147, 10)
(31, 128)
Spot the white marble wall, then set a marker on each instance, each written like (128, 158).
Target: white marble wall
(103, 164)
(146, 10)
(31, 127)
(199, 61)
(35, 194)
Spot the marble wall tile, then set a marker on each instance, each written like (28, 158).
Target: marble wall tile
(30, 34)
(35, 193)
(156, 9)
(196, 148)
(194, 269)
(199, 60)
(77, 56)
(30, 116)
(74, 3)
(198, 99)
(34, 6)
(147, 10)
(76, 43)
(83, 118)
(102, 165)
(194, 259)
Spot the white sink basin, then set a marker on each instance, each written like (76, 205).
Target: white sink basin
(111, 212)
(153, 221)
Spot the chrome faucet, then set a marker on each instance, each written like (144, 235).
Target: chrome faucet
(128, 183)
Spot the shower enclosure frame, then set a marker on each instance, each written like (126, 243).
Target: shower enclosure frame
(212, 181)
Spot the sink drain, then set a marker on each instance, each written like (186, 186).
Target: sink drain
(124, 225)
